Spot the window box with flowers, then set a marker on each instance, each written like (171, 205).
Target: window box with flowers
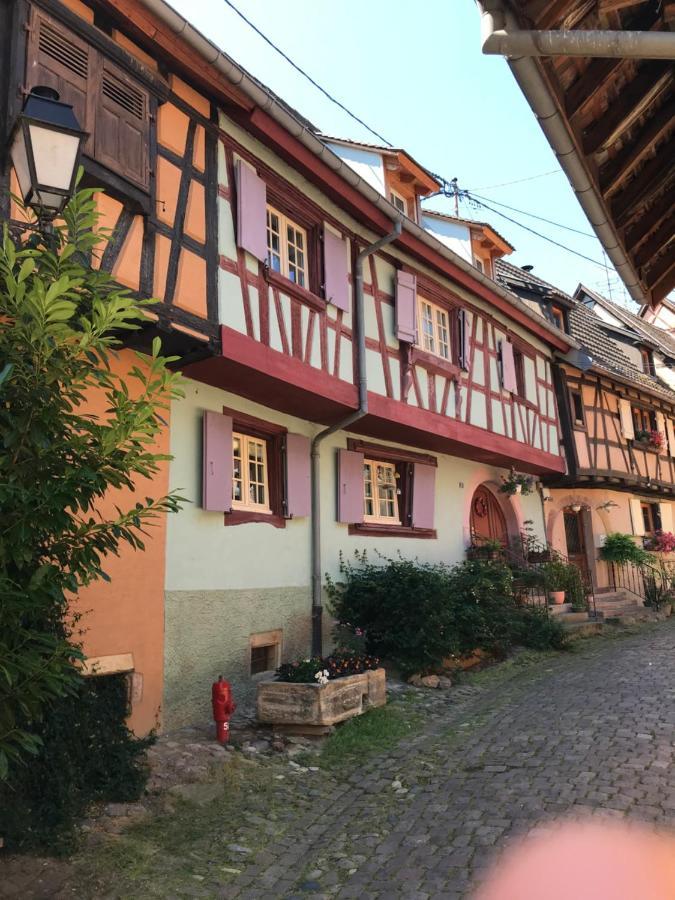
(649, 439)
(319, 692)
(661, 542)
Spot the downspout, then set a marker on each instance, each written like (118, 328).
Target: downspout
(494, 17)
(362, 381)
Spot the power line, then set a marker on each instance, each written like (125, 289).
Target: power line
(537, 234)
(540, 218)
(302, 72)
(518, 181)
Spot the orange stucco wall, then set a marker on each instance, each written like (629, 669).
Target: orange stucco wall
(126, 615)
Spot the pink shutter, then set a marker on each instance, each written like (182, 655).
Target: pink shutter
(350, 486)
(406, 307)
(336, 270)
(509, 381)
(251, 211)
(298, 493)
(424, 495)
(464, 339)
(217, 464)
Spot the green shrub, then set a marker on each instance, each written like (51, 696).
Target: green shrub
(86, 754)
(417, 614)
(621, 548)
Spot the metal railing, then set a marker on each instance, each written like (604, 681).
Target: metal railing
(649, 582)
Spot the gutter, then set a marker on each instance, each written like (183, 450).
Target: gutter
(270, 105)
(362, 380)
(496, 19)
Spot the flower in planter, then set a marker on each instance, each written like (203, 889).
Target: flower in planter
(517, 483)
(322, 676)
(664, 542)
(652, 438)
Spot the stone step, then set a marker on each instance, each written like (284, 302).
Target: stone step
(612, 609)
(611, 595)
(560, 609)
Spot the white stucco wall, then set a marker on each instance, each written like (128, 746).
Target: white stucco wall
(453, 234)
(368, 164)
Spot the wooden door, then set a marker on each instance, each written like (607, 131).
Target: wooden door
(575, 535)
(487, 519)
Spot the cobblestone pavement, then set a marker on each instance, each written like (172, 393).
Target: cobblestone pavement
(585, 733)
(592, 733)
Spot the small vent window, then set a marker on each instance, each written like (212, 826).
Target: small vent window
(58, 47)
(124, 95)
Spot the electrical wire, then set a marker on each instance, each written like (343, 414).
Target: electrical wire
(537, 234)
(518, 181)
(523, 212)
(304, 74)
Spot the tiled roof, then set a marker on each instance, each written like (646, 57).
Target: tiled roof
(631, 320)
(589, 330)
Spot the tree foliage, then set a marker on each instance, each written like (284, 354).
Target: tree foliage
(61, 323)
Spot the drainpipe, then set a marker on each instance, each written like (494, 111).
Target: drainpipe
(496, 19)
(317, 608)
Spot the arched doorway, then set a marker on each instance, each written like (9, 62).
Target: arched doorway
(487, 519)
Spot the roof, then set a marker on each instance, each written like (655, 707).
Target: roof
(450, 218)
(651, 333)
(611, 122)
(589, 330)
(431, 180)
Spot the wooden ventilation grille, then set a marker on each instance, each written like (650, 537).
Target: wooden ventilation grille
(57, 46)
(124, 95)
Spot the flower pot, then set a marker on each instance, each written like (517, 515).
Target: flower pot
(291, 703)
(557, 597)
(518, 489)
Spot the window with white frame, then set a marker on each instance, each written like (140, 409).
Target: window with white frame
(380, 492)
(250, 474)
(286, 247)
(434, 328)
(399, 202)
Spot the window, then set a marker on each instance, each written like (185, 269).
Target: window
(250, 478)
(643, 420)
(434, 328)
(399, 202)
(647, 366)
(478, 263)
(651, 517)
(558, 317)
(519, 362)
(265, 651)
(577, 408)
(380, 492)
(286, 247)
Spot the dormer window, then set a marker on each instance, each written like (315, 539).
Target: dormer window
(478, 263)
(558, 317)
(399, 202)
(647, 364)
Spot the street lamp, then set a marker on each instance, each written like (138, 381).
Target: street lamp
(45, 149)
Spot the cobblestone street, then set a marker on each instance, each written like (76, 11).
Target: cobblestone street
(590, 732)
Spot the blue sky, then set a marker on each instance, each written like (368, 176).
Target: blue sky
(416, 74)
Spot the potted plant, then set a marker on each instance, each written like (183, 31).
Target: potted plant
(318, 692)
(490, 548)
(664, 542)
(621, 548)
(650, 437)
(556, 579)
(517, 483)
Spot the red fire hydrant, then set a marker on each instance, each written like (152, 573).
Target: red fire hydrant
(223, 708)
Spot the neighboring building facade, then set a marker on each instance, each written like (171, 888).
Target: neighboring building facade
(248, 228)
(612, 400)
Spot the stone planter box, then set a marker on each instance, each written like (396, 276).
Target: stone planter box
(286, 703)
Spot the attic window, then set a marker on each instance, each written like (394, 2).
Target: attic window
(647, 365)
(478, 263)
(558, 317)
(399, 202)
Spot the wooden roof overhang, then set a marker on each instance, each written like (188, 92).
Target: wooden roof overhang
(620, 114)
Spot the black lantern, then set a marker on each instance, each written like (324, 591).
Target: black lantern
(45, 149)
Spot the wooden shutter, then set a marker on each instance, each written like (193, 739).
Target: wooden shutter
(59, 59)
(406, 307)
(661, 428)
(464, 333)
(636, 516)
(350, 486)
(626, 419)
(251, 211)
(670, 430)
(509, 378)
(336, 270)
(298, 476)
(666, 513)
(217, 464)
(122, 132)
(423, 495)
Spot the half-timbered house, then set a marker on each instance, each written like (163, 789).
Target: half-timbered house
(617, 410)
(300, 298)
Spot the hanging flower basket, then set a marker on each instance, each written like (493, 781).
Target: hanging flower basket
(517, 483)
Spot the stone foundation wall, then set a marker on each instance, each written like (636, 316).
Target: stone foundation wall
(208, 634)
